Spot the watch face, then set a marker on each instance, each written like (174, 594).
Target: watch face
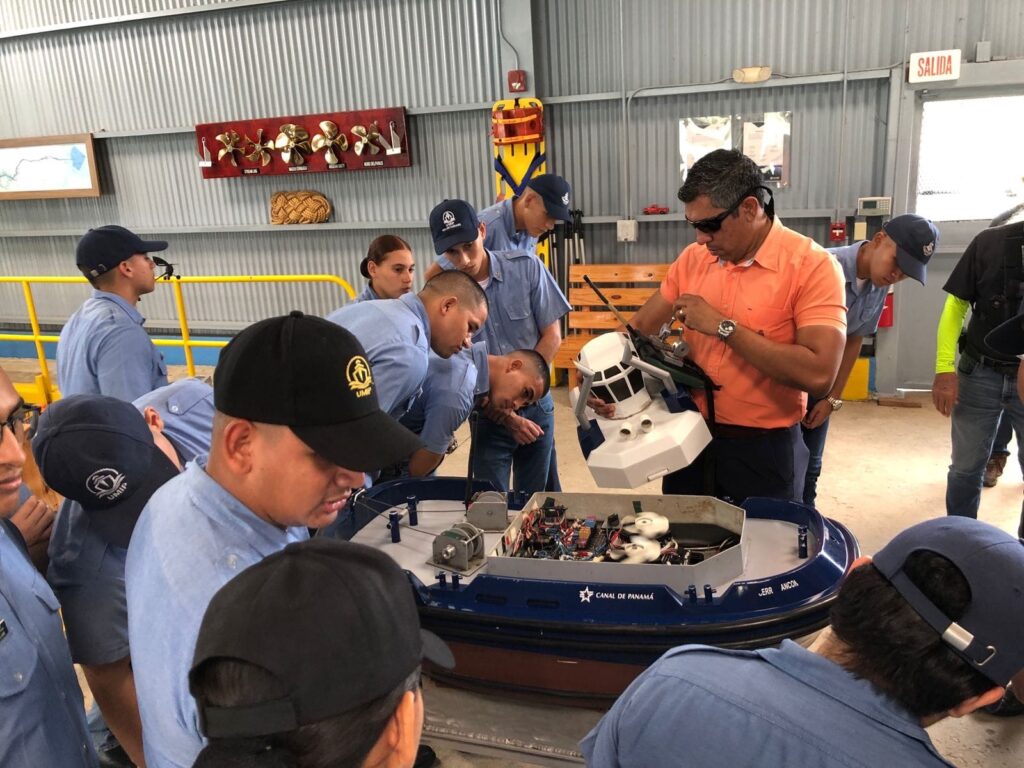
(725, 328)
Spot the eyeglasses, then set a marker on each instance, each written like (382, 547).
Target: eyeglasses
(22, 422)
(714, 223)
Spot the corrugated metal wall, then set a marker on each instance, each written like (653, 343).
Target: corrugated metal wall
(437, 57)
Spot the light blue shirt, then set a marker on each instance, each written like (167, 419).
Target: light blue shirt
(502, 234)
(523, 299)
(368, 294)
(863, 309)
(447, 398)
(191, 539)
(773, 708)
(86, 571)
(104, 350)
(395, 333)
(42, 720)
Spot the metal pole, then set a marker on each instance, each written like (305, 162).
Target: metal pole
(40, 350)
(179, 303)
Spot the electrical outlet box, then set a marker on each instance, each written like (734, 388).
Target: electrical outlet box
(625, 230)
(517, 80)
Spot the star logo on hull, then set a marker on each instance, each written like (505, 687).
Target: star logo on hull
(585, 595)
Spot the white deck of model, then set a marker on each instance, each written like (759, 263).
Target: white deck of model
(771, 545)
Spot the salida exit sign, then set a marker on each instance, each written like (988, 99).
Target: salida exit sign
(934, 65)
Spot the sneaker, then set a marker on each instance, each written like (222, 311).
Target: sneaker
(994, 470)
(1008, 706)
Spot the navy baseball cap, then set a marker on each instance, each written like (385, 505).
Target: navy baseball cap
(556, 193)
(1008, 338)
(99, 451)
(312, 376)
(990, 634)
(347, 605)
(103, 248)
(916, 239)
(452, 223)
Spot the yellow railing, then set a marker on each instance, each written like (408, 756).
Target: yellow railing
(186, 341)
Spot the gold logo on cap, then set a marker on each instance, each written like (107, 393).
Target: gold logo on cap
(360, 379)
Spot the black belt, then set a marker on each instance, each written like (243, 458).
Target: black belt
(736, 432)
(999, 366)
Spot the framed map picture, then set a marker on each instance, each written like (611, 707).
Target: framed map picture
(48, 166)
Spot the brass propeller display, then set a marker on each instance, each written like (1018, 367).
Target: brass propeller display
(230, 140)
(260, 151)
(292, 141)
(367, 139)
(330, 138)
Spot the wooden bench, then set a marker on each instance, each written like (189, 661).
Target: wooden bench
(627, 286)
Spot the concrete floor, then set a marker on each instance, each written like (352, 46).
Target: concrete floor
(885, 469)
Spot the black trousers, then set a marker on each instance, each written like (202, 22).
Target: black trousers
(746, 462)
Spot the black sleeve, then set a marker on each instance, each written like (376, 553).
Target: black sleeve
(963, 280)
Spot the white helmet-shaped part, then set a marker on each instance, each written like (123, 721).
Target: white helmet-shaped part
(614, 381)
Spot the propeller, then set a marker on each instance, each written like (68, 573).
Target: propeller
(648, 524)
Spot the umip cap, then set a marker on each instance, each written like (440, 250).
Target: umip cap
(312, 376)
(346, 604)
(103, 248)
(1008, 338)
(556, 193)
(452, 223)
(916, 239)
(99, 451)
(990, 634)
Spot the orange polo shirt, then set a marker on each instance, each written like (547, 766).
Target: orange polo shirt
(792, 282)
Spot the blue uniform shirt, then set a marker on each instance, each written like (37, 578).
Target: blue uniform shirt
(104, 350)
(87, 572)
(447, 398)
(701, 706)
(367, 294)
(863, 309)
(191, 539)
(524, 299)
(42, 721)
(396, 336)
(501, 232)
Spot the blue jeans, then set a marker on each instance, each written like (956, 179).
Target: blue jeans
(983, 394)
(814, 439)
(1003, 436)
(496, 456)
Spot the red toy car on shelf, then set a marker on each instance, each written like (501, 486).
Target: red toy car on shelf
(654, 210)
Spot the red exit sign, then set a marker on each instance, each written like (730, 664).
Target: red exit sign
(934, 65)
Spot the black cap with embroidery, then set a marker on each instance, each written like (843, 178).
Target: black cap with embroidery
(313, 376)
(103, 248)
(334, 622)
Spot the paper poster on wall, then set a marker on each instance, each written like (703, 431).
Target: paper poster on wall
(700, 135)
(766, 142)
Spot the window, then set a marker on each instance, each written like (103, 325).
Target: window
(970, 162)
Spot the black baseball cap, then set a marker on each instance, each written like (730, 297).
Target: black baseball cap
(1007, 338)
(990, 634)
(556, 193)
(916, 239)
(335, 622)
(313, 376)
(452, 223)
(99, 451)
(103, 248)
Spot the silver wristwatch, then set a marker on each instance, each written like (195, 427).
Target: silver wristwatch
(726, 328)
(835, 402)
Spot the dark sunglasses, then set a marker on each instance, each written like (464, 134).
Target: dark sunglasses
(22, 422)
(714, 223)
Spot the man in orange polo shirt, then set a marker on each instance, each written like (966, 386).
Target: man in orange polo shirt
(763, 312)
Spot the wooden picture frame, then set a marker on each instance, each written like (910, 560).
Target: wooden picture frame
(75, 149)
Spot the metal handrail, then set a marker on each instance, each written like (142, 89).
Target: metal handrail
(186, 341)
